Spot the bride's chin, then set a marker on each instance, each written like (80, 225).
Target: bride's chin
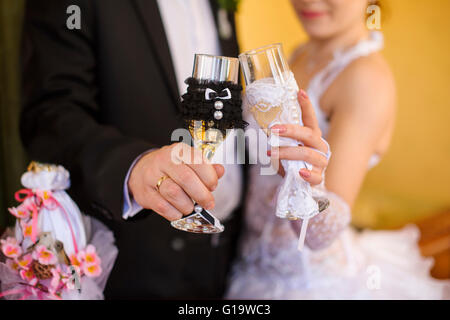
(318, 31)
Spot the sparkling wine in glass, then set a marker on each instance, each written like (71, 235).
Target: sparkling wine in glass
(271, 97)
(208, 124)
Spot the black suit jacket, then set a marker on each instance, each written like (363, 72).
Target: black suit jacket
(96, 98)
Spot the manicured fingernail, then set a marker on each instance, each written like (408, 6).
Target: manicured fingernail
(278, 129)
(269, 153)
(303, 94)
(305, 174)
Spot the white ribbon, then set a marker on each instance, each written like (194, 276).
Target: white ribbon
(208, 91)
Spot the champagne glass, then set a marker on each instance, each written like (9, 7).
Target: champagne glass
(208, 124)
(271, 97)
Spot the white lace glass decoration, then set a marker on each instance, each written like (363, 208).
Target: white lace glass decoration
(271, 97)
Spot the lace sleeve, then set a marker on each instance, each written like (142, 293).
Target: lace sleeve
(324, 228)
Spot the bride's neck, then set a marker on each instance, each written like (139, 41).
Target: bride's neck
(321, 47)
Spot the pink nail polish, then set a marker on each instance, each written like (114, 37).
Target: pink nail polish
(303, 94)
(305, 174)
(278, 129)
(268, 153)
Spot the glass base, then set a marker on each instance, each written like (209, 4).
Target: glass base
(200, 221)
(322, 202)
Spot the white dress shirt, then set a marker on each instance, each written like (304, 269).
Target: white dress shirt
(190, 29)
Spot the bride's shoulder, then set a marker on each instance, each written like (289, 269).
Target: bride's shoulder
(369, 69)
(364, 92)
(365, 88)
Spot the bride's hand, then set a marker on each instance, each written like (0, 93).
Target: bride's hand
(310, 136)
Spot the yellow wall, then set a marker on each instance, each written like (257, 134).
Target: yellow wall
(413, 180)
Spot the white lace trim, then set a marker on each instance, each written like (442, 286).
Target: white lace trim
(272, 103)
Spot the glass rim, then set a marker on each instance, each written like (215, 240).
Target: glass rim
(261, 49)
(215, 68)
(215, 56)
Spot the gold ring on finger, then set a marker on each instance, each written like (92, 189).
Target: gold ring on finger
(160, 181)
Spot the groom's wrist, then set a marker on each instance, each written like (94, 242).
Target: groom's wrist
(130, 206)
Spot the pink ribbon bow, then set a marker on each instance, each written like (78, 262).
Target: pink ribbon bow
(49, 203)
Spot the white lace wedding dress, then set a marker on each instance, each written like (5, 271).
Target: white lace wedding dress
(338, 262)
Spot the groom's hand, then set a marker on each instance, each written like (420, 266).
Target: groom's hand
(188, 175)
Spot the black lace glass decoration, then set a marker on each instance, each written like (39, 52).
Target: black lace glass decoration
(211, 105)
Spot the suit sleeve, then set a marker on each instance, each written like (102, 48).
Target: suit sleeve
(60, 115)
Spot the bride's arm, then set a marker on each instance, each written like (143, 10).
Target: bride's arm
(326, 226)
(363, 105)
(363, 113)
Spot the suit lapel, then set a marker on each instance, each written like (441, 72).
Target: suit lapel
(148, 13)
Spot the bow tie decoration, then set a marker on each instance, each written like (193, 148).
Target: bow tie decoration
(211, 94)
